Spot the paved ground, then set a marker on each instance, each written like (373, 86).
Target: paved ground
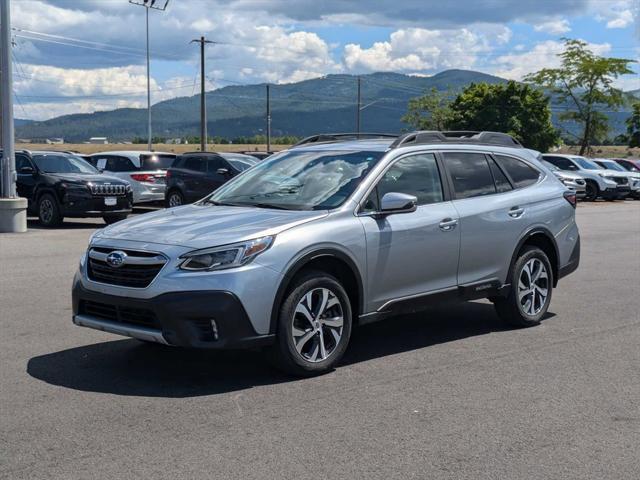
(446, 394)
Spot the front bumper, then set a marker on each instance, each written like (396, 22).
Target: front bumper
(94, 206)
(181, 319)
(616, 193)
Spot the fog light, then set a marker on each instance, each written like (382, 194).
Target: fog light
(214, 329)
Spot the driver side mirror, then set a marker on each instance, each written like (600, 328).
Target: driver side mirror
(395, 202)
(223, 171)
(27, 171)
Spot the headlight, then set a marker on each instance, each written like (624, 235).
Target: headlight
(227, 256)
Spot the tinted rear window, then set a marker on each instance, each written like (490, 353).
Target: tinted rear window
(470, 174)
(156, 162)
(522, 174)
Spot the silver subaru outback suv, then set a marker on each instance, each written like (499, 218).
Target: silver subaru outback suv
(336, 231)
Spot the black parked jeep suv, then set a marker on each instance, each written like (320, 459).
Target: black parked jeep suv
(59, 185)
(195, 175)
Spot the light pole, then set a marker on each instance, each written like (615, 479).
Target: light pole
(156, 5)
(203, 100)
(13, 210)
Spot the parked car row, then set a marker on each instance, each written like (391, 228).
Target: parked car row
(603, 178)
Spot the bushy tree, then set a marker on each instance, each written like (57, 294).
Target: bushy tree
(633, 126)
(429, 112)
(585, 80)
(514, 108)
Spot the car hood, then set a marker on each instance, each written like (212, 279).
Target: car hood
(202, 226)
(84, 178)
(565, 174)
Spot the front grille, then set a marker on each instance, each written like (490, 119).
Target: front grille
(116, 313)
(105, 189)
(138, 270)
(621, 180)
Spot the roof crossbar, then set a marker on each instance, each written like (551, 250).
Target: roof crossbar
(341, 137)
(458, 136)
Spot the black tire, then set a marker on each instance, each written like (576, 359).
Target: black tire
(592, 191)
(174, 199)
(284, 354)
(511, 309)
(49, 211)
(109, 219)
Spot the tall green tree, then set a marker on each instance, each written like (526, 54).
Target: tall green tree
(633, 126)
(514, 108)
(429, 112)
(585, 80)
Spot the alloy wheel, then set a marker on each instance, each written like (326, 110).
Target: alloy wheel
(46, 210)
(175, 200)
(533, 287)
(318, 324)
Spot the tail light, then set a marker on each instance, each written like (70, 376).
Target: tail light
(144, 177)
(168, 175)
(571, 198)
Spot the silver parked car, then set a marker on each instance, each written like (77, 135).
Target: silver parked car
(145, 171)
(572, 181)
(601, 183)
(634, 177)
(297, 250)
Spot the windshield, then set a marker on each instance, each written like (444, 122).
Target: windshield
(156, 162)
(241, 165)
(299, 180)
(586, 164)
(63, 164)
(611, 166)
(550, 166)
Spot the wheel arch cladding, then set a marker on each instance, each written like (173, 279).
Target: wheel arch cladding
(333, 262)
(544, 240)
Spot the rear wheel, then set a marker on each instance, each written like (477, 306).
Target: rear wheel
(109, 219)
(49, 211)
(314, 325)
(592, 191)
(531, 279)
(174, 199)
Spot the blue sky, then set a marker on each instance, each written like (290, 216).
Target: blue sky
(86, 55)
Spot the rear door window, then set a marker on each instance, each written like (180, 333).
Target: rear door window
(521, 174)
(22, 162)
(119, 164)
(470, 174)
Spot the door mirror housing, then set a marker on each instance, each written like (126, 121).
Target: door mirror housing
(395, 202)
(223, 171)
(27, 171)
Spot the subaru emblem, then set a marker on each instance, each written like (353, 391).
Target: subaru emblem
(116, 259)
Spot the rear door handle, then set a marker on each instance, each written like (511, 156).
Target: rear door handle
(448, 224)
(516, 212)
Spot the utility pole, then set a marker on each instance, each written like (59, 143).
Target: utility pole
(148, 4)
(358, 107)
(268, 119)
(203, 99)
(13, 210)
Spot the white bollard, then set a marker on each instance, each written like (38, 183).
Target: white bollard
(13, 215)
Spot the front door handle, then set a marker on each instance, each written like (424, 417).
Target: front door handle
(448, 224)
(516, 212)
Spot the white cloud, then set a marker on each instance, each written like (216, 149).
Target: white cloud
(418, 49)
(543, 55)
(617, 13)
(553, 27)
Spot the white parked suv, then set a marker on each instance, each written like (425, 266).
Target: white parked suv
(145, 171)
(294, 252)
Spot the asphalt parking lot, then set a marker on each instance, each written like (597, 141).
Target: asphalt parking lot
(450, 393)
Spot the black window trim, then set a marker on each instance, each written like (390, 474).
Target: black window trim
(446, 189)
(541, 174)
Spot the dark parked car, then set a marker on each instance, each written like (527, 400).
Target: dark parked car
(195, 175)
(58, 185)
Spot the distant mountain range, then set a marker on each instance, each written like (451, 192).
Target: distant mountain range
(325, 104)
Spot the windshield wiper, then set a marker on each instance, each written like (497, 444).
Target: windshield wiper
(267, 205)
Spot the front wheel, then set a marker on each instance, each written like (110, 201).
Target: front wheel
(531, 280)
(592, 191)
(109, 219)
(314, 325)
(174, 199)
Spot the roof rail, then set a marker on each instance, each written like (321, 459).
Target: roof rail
(456, 136)
(341, 137)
